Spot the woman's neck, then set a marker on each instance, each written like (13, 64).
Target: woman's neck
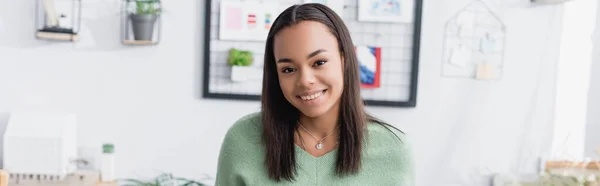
(321, 126)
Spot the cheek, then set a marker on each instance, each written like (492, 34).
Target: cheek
(337, 77)
(338, 81)
(334, 78)
(286, 85)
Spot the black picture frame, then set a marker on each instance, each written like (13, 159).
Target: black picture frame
(416, 43)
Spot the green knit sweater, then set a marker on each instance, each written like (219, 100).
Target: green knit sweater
(386, 160)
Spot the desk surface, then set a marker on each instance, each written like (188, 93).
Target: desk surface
(80, 178)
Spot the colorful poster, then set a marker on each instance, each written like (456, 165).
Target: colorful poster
(369, 64)
(386, 10)
(246, 21)
(268, 21)
(336, 5)
(251, 21)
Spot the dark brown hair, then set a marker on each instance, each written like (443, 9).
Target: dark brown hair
(280, 117)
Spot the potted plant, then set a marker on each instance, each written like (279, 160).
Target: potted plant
(240, 62)
(144, 18)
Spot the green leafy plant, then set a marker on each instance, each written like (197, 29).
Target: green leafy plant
(163, 180)
(240, 58)
(145, 7)
(186, 182)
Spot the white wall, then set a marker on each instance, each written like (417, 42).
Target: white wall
(573, 81)
(592, 141)
(147, 99)
(4, 116)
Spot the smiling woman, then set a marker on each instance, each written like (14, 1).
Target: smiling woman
(309, 68)
(313, 129)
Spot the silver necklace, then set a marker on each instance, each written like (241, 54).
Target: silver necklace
(319, 145)
(301, 139)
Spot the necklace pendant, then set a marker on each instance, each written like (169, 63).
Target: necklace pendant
(319, 146)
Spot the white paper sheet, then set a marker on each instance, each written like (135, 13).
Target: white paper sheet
(460, 56)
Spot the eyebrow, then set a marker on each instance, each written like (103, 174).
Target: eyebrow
(312, 54)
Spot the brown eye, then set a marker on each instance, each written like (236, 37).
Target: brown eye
(320, 62)
(288, 70)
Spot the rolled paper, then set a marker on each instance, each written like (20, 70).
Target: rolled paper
(51, 15)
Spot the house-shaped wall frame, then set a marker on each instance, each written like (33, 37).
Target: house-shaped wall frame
(474, 42)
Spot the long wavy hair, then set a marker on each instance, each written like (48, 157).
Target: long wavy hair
(280, 118)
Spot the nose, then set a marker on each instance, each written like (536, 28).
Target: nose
(306, 78)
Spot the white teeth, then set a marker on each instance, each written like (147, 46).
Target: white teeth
(311, 97)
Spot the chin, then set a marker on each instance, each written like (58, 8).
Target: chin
(313, 112)
(315, 107)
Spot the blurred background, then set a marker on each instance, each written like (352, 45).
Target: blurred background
(486, 90)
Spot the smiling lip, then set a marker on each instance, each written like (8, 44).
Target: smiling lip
(311, 97)
(310, 93)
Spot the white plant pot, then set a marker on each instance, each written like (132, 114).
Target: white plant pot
(244, 73)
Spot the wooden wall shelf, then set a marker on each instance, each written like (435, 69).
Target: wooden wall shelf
(138, 42)
(57, 36)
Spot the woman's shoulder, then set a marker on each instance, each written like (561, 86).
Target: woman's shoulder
(388, 150)
(383, 133)
(240, 150)
(243, 137)
(248, 125)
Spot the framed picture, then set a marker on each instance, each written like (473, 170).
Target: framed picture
(247, 20)
(335, 5)
(369, 64)
(394, 11)
(388, 56)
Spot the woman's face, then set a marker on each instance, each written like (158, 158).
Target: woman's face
(309, 67)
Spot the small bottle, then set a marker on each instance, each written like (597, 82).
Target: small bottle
(108, 163)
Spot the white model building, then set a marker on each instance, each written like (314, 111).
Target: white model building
(41, 144)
